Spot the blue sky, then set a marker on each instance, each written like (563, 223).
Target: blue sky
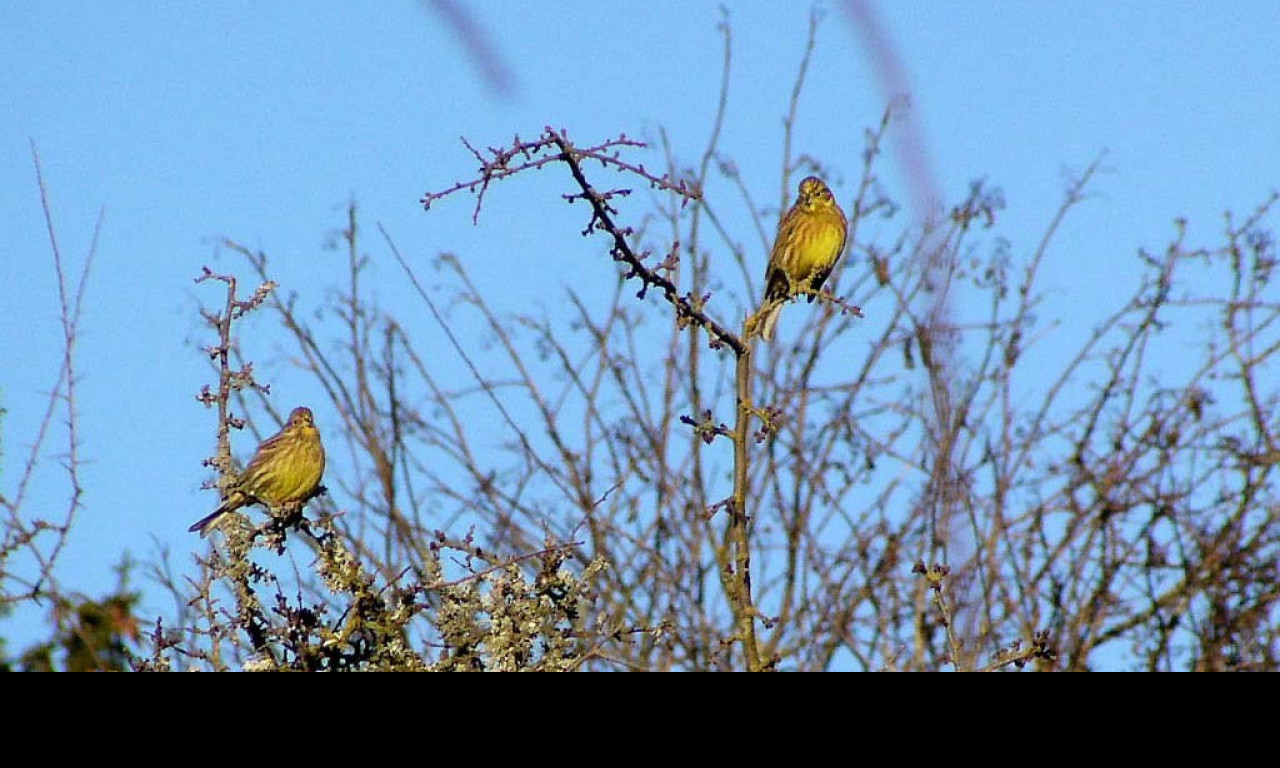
(261, 121)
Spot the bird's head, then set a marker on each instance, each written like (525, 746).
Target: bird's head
(814, 191)
(301, 417)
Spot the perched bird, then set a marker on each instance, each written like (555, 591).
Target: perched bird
(810, 238)
(287, 468)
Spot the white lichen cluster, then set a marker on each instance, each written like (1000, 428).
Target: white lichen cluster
(512, 619)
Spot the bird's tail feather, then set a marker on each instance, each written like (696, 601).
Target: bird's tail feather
(770, 320)
(229, 504)
(204, 524)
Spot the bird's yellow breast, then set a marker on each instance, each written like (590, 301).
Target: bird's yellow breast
(819, 246)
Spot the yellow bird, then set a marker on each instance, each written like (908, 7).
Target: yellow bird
(287, 468)
(810, 239)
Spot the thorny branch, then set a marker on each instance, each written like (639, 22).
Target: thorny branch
(526, 155)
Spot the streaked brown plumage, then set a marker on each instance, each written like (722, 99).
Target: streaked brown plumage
(810, 239)
(286, 468)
